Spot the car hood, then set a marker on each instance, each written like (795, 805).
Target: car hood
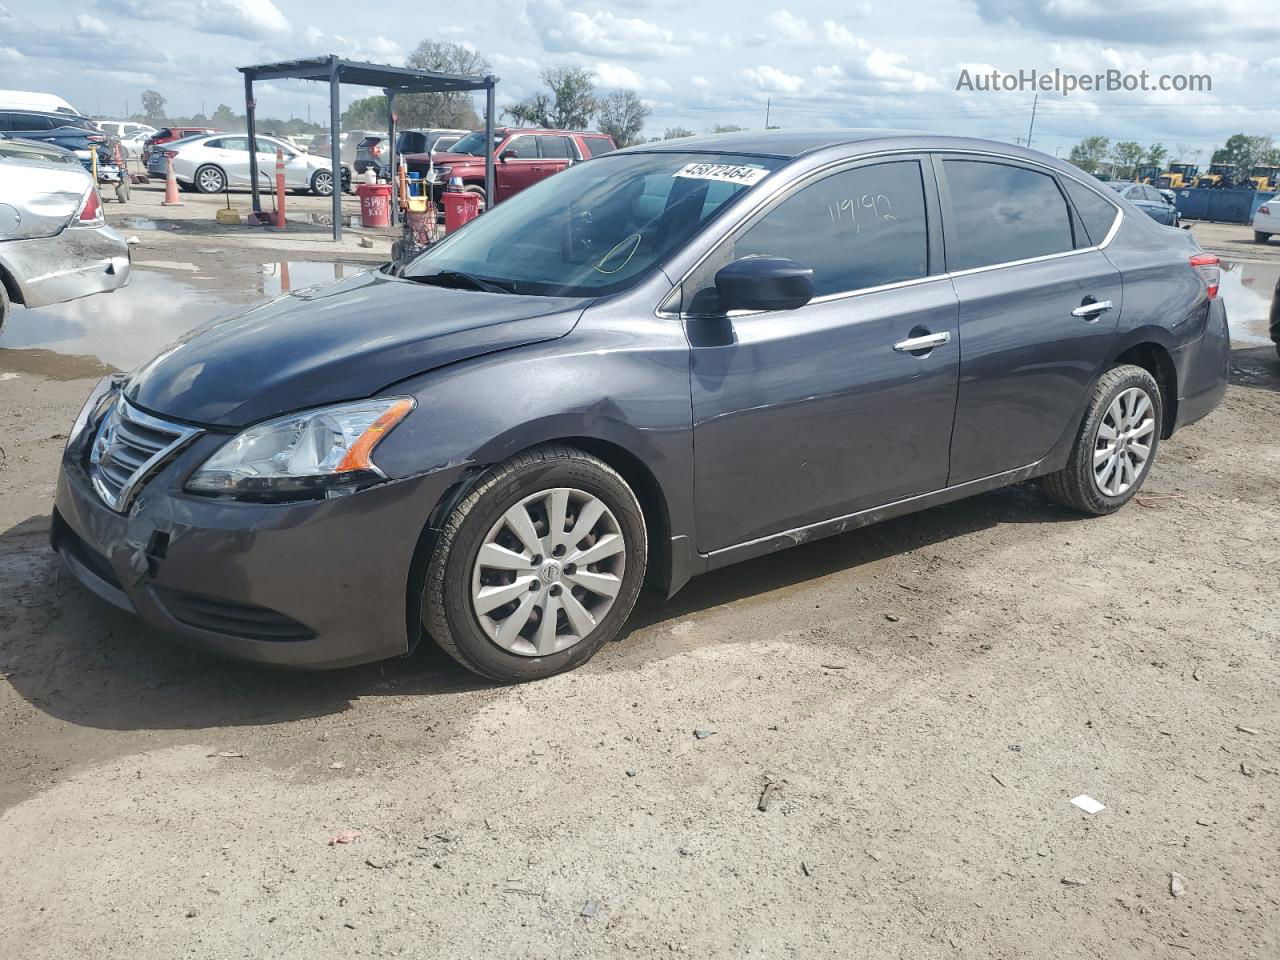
(342, 341)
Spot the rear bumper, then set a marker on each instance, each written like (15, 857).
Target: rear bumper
(311, 585)
(1203, 367)
(75, 263)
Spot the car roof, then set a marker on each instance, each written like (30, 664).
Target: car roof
(507, 131)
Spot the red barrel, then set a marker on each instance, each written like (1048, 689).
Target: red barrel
(375, 204)
(459, 208)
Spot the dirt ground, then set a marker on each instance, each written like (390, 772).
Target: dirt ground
(926, 696)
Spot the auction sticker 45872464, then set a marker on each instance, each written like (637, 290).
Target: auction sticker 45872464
(724, 172)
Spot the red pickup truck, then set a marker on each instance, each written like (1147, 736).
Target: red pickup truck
(522, 156)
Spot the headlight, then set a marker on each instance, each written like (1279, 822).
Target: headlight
(308, 455)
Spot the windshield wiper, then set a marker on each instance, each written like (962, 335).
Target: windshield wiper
(456, 278)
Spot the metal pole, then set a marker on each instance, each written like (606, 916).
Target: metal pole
(490, 194)
(251, 125)
(391, 144)
(335, 145)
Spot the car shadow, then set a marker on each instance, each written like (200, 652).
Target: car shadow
(1256, 367)
(77, 658)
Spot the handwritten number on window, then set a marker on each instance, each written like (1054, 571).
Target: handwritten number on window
(866, 210)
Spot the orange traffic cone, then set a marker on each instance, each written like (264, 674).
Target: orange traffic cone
(170, 187)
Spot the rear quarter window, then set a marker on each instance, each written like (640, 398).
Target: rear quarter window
(598, 146)
(1096, 213)
(1001, 213)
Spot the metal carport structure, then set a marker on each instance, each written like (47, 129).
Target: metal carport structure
(333, 70)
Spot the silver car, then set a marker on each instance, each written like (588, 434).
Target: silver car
(55, 244)
(212, 164)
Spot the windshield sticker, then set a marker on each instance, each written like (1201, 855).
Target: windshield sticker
(724, 172)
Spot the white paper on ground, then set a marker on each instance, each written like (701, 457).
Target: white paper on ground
(1088, 804)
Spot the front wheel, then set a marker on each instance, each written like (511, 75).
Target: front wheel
(1116, 445)
(322, 183)
(1260, 237)
(210, 179)
(538, 567)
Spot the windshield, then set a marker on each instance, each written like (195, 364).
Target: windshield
(473, 143)
(597, 227)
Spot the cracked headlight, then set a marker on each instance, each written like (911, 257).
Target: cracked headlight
(318, 453)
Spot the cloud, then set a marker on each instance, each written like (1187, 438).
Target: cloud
(612, 75)
(1134, 21)
(247, 19)
(562, 30)
(87, 40)
(772, 80)
(787, 28)
(376, 49)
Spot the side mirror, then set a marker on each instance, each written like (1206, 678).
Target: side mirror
(764, 283)
(506, 155)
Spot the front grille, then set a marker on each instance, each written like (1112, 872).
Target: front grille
(127, 447)
(242, 620)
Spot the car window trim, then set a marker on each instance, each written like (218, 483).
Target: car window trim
(663, 312)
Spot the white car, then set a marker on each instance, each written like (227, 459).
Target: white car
(212, 164)
(1266, 222)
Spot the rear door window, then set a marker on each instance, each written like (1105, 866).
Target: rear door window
(31, 121)
(598, 146)
(1096, 213)
(554, 148)
(862, 227)
(1001, 213)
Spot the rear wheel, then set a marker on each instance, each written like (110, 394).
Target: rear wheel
(210, 179)
(538, 567)
(4, 306)
(1260, 237)
(478, 191)
(1116, 445)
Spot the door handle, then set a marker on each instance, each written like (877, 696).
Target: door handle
(1091, 311)
(924, 342)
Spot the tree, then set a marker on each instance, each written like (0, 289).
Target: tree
(1156, 154)
(1182, 152)
(224, 118)
(569, 104)
(367, 113)
(1243, 152)
(1089, 153)
(621, 114)
(726, 128)
(675, 133)
(454, 108)
(1125, 157)
(153, 106)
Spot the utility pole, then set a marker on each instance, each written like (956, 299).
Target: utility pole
(768, 105)
(1033, 118)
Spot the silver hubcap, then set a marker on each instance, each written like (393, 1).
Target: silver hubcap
(1123, 444)
(324, 184)
(211, 180)
(548, 571)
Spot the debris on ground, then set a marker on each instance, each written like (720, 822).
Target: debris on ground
(766, 796)
(1076, 881)
(702, 733)
(1177, 884)
(227, 754)
(589, 909)
(1088, 804)
(346, 836)
(1243, 729)
(631, 772)
(1247, 770)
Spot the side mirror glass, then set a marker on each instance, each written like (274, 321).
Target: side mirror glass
(506, 155)
(764, 283)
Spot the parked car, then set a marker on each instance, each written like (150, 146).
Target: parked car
(1274, 327)
(524, 156)
(653, 365)
(65, 130)
(371, 152)
(33, 100)
(156, 159)
(211, 164)
(57, 245)
(168, 135)
(19, 148)
(125, 129)
(1266, 221)
(1150, 200)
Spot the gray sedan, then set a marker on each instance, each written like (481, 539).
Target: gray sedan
(55, 244)
(668, 360)
(1151, 201)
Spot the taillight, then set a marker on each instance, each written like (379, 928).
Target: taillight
(92, 209)
(1206, 265)
(1264, 210)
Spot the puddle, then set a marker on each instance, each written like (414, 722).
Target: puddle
(293, 274)
(1247, 289)
(118, 331)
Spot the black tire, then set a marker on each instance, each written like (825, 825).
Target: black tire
(1260, 237)
(122, 189)
(210, 179)
(5, 306)
(322, 183)
(1075, 485)
(479, 192)
(447, 612)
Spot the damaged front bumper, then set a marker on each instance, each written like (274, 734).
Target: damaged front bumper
(312, 584)
(74, 263)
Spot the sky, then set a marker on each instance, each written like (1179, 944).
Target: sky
(806, 64)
